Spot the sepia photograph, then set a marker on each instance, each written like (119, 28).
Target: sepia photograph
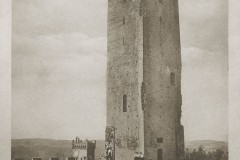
(119, 80)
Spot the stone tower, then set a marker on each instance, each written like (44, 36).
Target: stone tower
(144, 81)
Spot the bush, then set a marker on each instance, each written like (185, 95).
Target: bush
(200, 154)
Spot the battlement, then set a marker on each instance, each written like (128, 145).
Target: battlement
(82, 145)
(83, 149)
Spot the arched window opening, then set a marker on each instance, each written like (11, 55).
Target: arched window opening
(172, 77)
(159, 154)
(124, 103)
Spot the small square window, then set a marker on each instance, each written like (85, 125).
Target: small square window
(159, 140)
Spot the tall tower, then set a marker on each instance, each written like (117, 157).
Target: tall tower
(144, 80)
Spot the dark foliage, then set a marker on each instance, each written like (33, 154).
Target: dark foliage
(200, 154)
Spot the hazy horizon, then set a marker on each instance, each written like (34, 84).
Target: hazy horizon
(98, 139)
(59, 69)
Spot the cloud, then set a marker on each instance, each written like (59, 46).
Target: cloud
(211, 61)
(59, 68)
(52, 73)
(59, 16)
(202, 9)
(205, 93)
(62, 54)
(204, 24)
(59, 57)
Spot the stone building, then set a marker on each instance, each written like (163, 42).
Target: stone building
(83, 150)
(144, 81)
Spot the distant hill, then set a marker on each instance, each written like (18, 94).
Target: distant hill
(46, 148)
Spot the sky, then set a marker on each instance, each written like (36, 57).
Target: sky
(59, 69)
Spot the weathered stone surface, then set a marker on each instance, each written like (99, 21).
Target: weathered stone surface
(144, 63)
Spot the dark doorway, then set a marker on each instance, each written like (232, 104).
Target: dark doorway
(159, 154)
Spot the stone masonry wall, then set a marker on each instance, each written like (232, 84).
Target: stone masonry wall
(162, 99)
(124, 76)
(143, 53)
